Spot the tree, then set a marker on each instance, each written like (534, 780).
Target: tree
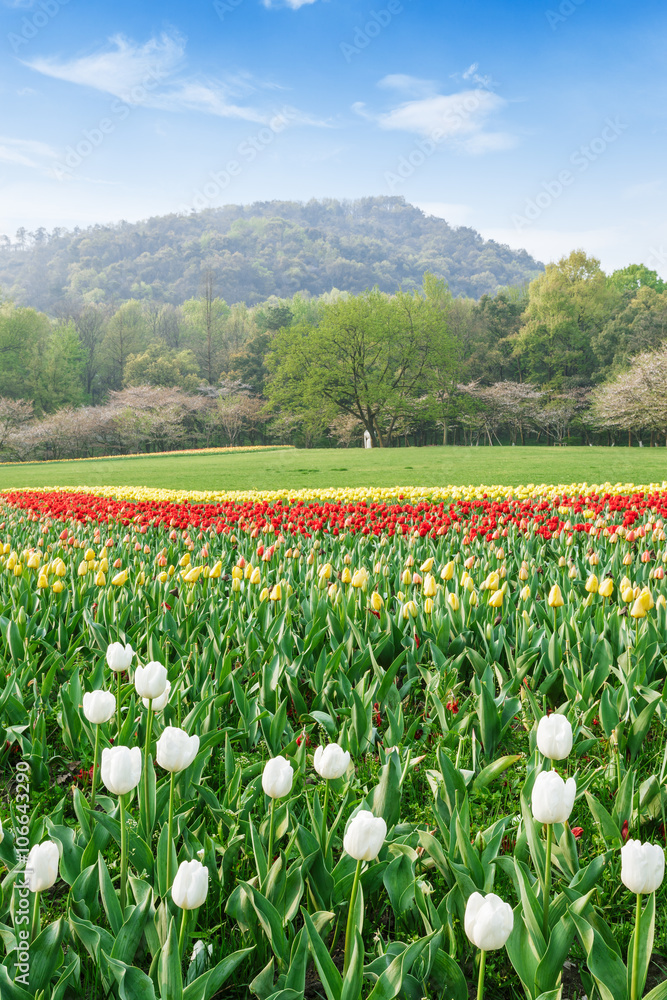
(205, 319)
(90, 324)
(370, 356)
(24, 335)
(160, 366)
(636, 399)
(567, 305)
(13, 414)
(125, 335)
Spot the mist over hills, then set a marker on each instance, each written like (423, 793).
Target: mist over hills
(256, 251)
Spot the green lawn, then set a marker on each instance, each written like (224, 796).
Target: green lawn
(352, 467)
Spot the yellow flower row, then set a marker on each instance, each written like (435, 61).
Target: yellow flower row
(380, 494)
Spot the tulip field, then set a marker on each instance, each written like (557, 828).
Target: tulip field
(350, 744)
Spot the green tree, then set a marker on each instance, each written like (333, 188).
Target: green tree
(126, 334)
(24, 336)
(160, 366)
(62, 376)
(370, 356)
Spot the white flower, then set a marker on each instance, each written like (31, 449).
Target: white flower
(554, 736)
(151, 680)
(488, 921)
(364, 836)
(190, 885)
(552, 798)
(119, 657)
(158, 704)
(41, 868)
(98, 706)
(2, 832)
(121, 768)
(331, 761)
(176, 750)
(642, 866)
(277, 777)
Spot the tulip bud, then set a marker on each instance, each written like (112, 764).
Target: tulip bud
(642, 866)
(41, 868)
(158, 704)
(364, 836)
(2, 832)
(277, 777)
(488, 921)
(606, 588)
(98, 706)
(175, 750)
(151, 680)
(592, 585)
(427, 565)
(121, 768)
(638, 610)
(555, 599)
(554, 737)
(376, 601)
(190, 885)
(447, 571)
(331, 761)
(410, 610)
(119, 656)
(429, 586)
(552, 798)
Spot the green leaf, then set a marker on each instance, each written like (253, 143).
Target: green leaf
(605, 965)
(46, 954)
(330, 977)
(271, 922)
(170, 977)
(354, 976)
(211, 982)
(646, 934)
(493, 770)
(390, 983)
(133, 984)
(109, 897)
(129, 937)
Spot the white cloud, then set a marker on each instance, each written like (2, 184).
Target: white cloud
(149, 75)
(460, 119)
(120, 70)
(292, 4)
(411, 86)
(25, 152)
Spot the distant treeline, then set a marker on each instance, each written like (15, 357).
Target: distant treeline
(577, 356)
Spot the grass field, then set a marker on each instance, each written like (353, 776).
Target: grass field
(353, 467)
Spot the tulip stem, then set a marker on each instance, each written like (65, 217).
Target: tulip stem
(95, 758)
(118, 703)
(480, 978)
(349, 930)
(34, 928)
(170, 826)
(123, 853)
(181, 936)
(269, 852)
(325, 808)
(634, 991)
(149, 733)
(547, 882)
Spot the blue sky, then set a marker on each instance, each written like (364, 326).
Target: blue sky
(542, 125)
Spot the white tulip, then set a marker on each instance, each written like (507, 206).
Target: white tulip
(175, 749)
(119, 657)
(2, 832)
(331, 761)
(121, 768)
(277, 777)
(151, 680)
(41, 868)
(98, 706)
(554, 736)
(158, 704)
(364, 836)
(552, 798)
(190, 885)
(488, 921)
(642, 866)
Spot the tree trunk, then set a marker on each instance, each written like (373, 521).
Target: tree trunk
(444, 431)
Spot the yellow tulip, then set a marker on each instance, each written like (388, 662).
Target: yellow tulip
(263, 594)
(638, 610)
(661, 602)
(453, 601)
(410, 610)
(236, 585)
(646, 598)
(193, 574)
(430, 587)
(427, 565)
(101, 579)
(555, 598)
(82, 568)
(237, 573)
(592, 585)
(120, 578)
(428, 606)
(473, 598)
(628, 594)
(11, 562)
(627, 559)
(406, 577)
(162, 577)
(346, 576)
(325, 571)
(184, 560)
(256, 576)
(606, 588)
(496, 599)
(33, 561)
(523, 574)
(525, 593)
(377, 602)
(42, 581)
(447, 571)
(359, 578)
(89, 554)
(216, 571)
(276, 593)
(58, 587)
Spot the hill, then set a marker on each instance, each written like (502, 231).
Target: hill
(255, 251)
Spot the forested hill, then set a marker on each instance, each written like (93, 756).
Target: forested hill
(255, 251)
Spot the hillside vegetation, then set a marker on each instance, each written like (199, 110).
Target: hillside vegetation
(257, 251)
